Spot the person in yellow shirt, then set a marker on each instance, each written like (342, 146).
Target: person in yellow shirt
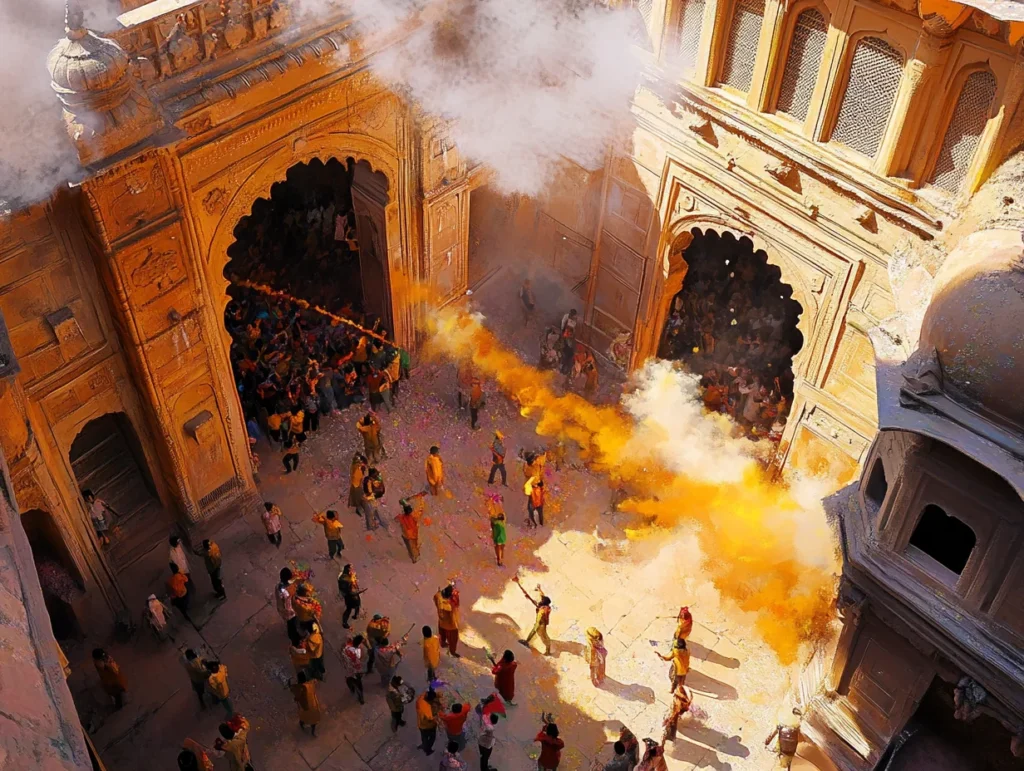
(369, 427)
(355, 490)
(304, 693)
(314, 645)
(274, 427)
(213, 559)
(426, 720)
(431, 653)
(332, 529)
(217, 685)
(435, 470)
(234, 743)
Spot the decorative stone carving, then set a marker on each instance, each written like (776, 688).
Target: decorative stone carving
(783, 172)
(198, 125)
(181, 47)
(968, 697)
(69, 335)
(235, 28)
(104, 110)
(279, 16)
(828, 427)
(684, 203)
(702, 127)
(213, 202)
(867, 219)
(922, 376)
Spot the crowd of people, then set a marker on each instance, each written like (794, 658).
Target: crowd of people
(302, 240)
(734, 324)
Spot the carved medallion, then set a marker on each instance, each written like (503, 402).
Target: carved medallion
(214, 201)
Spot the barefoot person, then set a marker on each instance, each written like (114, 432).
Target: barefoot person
(543, 618)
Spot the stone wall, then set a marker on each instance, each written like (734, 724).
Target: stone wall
(39, 726)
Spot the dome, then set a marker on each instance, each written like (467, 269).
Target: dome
(975, 322)
(83, 61)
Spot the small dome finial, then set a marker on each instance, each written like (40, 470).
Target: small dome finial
(74, 18)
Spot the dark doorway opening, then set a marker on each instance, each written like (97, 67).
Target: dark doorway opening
(107, 458)
(935, 740)
(320, 237)
(734, 323)
(58, 575)
(946, 539)
(878, 486)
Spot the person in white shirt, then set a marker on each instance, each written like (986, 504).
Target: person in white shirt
(485, 741)
(178, 556)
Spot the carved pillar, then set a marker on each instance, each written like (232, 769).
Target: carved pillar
(919, 73)
(159, 298)
(1006, 130)
(445, 202)
(851, 605)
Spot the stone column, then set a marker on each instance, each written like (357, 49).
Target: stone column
(162, 306)
(914, 93)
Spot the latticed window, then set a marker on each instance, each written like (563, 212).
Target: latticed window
(741, 49)
(802, 64)
(870, 92)
(969, 118)
(691, 21)
(643, 27)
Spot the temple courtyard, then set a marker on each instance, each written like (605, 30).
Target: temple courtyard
(630, 589)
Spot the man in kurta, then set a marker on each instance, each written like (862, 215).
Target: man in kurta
(111, 680)
(195, 665)
(355, 490)
(348, 587)
(377, 629)
(399, 694)
(177, 587)
(431, 653)
(476, 401)
(446, 601)
(234, 743)
(369, 427)
(499, 535)
(332, 530)
(426, 720)
(217, 685)
(435, 471)
(352, 656)
(304, 693)
(314, 644)
(212, 559)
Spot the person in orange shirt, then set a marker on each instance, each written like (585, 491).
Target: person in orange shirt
(332, 529)
(409, 521)
(447, 603)
(177, 585)
(435, 470)
(455, 722)
(534, 490)
(431, 653)
(111, 679)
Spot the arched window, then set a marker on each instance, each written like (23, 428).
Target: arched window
(946, 539)
(801, 72)
(878, 486)
(874, 79)
(964, 132)
(691, 21)
(741, 49)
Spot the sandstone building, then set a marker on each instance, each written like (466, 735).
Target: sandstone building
(832, 137)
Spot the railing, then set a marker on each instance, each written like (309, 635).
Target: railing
(168, 37)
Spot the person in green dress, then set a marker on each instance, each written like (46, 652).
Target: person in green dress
(498, 534)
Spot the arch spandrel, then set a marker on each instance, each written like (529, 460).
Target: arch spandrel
(674, 271)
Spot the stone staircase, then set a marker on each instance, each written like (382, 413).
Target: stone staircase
(110, 470)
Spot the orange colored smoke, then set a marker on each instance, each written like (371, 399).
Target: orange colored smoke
(746, 530)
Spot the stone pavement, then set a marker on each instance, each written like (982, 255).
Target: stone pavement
(630, 589)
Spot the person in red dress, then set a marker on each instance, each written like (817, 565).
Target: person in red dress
(504, 672)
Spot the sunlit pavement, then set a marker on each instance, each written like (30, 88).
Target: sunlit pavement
(630, 590)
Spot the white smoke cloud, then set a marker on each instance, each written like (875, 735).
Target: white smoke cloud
(35, 151)
(526, 82)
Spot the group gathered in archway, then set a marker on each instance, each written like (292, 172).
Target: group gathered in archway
(296, 251)
(734, 324)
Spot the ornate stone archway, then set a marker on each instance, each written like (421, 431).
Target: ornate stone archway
(274, 168)
(673, 267)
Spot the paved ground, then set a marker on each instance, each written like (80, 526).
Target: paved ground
(631, 590)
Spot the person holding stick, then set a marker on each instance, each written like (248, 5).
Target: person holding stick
(543, 618)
